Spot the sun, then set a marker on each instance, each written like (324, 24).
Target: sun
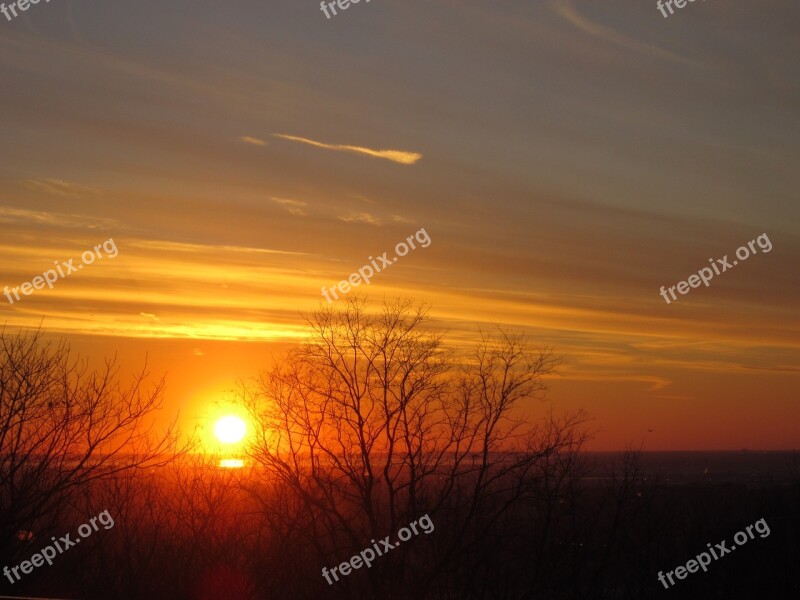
(230, 429)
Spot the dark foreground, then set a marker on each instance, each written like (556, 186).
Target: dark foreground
(603, 529)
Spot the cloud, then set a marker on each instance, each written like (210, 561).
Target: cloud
(398, 156)
(361, 217)
(566, 11)
(201, 249)
(362, 198)
(18, 215)
(295, 207)
(150, 316)
(59, 187)
(252, 141)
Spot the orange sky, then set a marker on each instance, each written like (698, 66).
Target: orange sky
(566, 159)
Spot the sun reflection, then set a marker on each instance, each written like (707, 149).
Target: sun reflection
(231, 463)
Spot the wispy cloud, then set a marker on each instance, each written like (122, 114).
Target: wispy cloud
(565, 10)
(362, 198)
(361, 217)
(295, 207)
(19, 215)
(398, 156)
(252, 141)
(59, 187)
(200, 249)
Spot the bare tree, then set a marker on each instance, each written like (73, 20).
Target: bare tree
(373, 422)
(63, 426)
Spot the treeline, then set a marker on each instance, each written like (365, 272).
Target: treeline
(362, 430)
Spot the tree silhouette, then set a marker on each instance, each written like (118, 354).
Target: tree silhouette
(373, 423)
(63, 426)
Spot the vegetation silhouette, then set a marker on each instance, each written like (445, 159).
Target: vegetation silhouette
(371, 423)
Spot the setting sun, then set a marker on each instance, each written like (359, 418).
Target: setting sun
(230, 429)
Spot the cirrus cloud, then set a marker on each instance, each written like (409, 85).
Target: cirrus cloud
(252, 141)
(294, 207)
(398, 156)
(59, 187)
(361, 217)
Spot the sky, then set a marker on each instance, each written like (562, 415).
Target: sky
(566, 158)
